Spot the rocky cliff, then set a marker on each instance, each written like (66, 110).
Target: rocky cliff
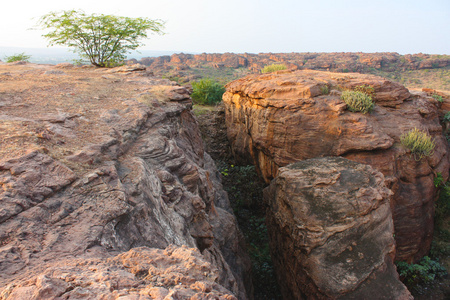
(100, 171)
(279, 118)
(331, 231)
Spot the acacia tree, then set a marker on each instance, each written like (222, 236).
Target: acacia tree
(102, 39)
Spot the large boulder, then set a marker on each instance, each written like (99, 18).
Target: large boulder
(94, 164)
(331, 231)
(283, 117)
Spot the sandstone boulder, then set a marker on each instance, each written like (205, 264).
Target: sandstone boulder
(331, 231)
(279, 118)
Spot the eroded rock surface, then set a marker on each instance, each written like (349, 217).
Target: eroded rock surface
(331, 231)
(279, 118)
(140, 273)
(94, 164)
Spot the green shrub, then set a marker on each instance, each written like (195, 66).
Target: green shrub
(207, 92)
(273, 68)
(17, 57)
(437, 98)
(357, 101)
(447, 117)
(419, 142)
(418, 276)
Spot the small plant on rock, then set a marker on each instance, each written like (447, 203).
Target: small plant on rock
(358, 101)
(17, 57)
(419, 142)
(438, 98)
(273, 68)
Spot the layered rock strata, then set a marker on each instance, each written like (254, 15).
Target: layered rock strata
(95, 163)
(283, 117)
(331, 231)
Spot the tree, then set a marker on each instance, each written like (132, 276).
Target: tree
(102, 39)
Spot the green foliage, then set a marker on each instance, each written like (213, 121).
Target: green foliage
(442, 211)
(17, 57)
(438, 180)
(419, 142)
(441, 239)
(418, 276)
(273, 68)
(207, 92)
(437, 98)
(104, 40)
(358, 101)
(447, 117)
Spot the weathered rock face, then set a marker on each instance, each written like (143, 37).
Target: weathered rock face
(94, 164)
(276, 119)
(141, 273)
(331, 231)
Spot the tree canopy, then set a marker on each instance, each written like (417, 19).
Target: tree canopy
(104, 40)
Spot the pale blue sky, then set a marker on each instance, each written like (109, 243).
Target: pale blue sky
(260, 26)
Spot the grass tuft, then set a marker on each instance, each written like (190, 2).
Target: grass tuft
(419, 142)
(358, 101)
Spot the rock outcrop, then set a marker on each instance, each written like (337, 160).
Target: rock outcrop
(279, 118)
(331, 231)
(95, 163)
(140, 273)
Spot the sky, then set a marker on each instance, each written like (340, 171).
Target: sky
(256, 26)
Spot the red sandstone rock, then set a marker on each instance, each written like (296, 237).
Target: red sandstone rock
(331, 231)
(92, 165)
(280, 118)
(140, 273)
